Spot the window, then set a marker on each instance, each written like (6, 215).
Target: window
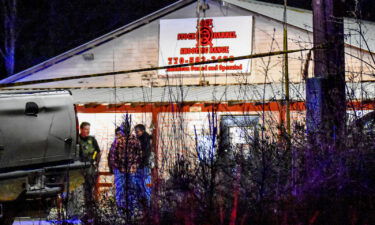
(238, 133)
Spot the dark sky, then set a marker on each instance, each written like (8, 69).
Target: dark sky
(50, 27)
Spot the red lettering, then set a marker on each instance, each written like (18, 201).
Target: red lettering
(230, 34)
(223, 49)
(207, 22)
(184, 36)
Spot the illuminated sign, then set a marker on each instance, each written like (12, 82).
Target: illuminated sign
(191, 40)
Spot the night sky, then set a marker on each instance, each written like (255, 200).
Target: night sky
(47, 28)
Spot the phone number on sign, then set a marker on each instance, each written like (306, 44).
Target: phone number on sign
(183, 60)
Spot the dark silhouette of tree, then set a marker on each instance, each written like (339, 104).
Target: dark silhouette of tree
(8, 52)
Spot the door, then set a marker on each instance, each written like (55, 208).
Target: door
(36, 129)
(238, 133)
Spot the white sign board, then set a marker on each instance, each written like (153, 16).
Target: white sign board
(184, 41)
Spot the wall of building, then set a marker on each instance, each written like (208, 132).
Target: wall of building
(179, 129)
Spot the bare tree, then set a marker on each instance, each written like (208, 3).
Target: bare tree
(9, 12)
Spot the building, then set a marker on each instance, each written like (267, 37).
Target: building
(177, 105)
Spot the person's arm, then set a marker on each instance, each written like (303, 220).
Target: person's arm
(150, 153)
(97, 150)
(135, 150)
(96, 145)
(111, 156)
(149, 142)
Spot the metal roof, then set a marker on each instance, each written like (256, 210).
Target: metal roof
(240, 93)
(180, 94)
(247, 93)
(13, 94)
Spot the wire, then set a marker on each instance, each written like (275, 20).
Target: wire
(252, 56)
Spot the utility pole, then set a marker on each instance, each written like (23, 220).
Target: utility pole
(325, 93)
(286, 69)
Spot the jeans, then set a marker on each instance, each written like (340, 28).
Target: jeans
(133, 190)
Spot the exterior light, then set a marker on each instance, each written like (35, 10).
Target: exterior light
(88, 56)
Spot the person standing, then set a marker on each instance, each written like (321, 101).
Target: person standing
(111, 155)
(144, 169)
(123, 160)
(90, 154)
(145, 140)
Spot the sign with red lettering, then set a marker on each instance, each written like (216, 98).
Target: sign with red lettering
(184, 41)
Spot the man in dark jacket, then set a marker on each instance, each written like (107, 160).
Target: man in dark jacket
(89, 148)
(146, 163)
(145, 140)
(90, 154)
